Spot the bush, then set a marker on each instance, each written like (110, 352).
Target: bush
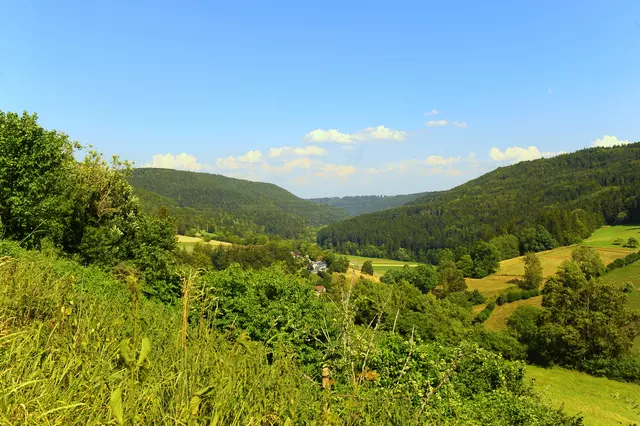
(475, 297)
(632, 243)
(485, 313)
(618, 242)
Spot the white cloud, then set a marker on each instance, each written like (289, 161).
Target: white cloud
(436, 123)
(609, 141)
(182, 161)
(379, 133)
(302, 151)
(432, 112)
(335, 170)
(251, 157)
(330, 135)
(460, 124)
(229, 163)
(289, 166)
(549, 154)
(437, 160)
(515, 154)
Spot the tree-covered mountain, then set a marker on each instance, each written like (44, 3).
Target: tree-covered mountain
(362, 204)
(225, 205)
(568, 196)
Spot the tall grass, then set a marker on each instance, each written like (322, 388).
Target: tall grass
(78, 346)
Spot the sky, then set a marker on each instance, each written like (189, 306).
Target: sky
(327, 98)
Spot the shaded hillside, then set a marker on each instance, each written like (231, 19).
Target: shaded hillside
(362, 204)
(230, 205)
(569, 195)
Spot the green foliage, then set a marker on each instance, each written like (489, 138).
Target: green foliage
(226, 206)
(485, 313)
(367, 267)
(248, 337)
(362, 204)
(532, 272)
(452, 280)
(465, 265)
(88, 209)
(544, 202)
(514, 296)
(589, 261)
(621, 262)
(582, 321)
(37, 170)
(632, 242)
(475, 297)
(486, 259)
(618, 242)
(423, 277)
(508, 246)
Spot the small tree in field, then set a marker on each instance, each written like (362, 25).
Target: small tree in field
(367, 268)
(532, 272)
(632, 243)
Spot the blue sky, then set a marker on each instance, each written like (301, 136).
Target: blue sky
(328, 98)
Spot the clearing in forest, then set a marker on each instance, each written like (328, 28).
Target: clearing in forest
(605, 236)
(380, 266)
(189, 242)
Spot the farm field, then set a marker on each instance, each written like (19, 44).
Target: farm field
(380, 266)
(500, 315)
(511, 269)
(189, 242)
(605, 236)
(601, 401)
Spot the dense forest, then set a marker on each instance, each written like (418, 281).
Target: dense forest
(543, 203)
(226, 206)
(362, 204)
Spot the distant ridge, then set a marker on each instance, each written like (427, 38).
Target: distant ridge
(362, 204)
(228, 205)
(569, 195)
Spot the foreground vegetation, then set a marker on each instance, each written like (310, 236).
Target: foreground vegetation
(242, 347)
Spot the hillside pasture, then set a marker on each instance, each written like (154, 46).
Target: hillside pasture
(500, 315)
(380, 266)
(606, 235)
(601, 401)
(513, 269)
(189, 242)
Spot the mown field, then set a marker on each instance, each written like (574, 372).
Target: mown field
(601, 401)
(512, 269)
(189, 242)
(380, 266)
(605, 236)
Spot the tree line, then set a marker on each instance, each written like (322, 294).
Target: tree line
(543, 203)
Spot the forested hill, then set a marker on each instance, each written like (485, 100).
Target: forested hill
(227, 205)
(362, 204)
(569, 195)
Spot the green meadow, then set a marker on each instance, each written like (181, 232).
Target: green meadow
(380, 266)
(599, 400)
(605, 236)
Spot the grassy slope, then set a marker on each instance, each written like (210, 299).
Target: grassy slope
(602, 239)
(189, 242)
(380, 266)
(601, 401)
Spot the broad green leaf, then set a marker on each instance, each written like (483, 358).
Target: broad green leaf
(144, 351)
(115, 404)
